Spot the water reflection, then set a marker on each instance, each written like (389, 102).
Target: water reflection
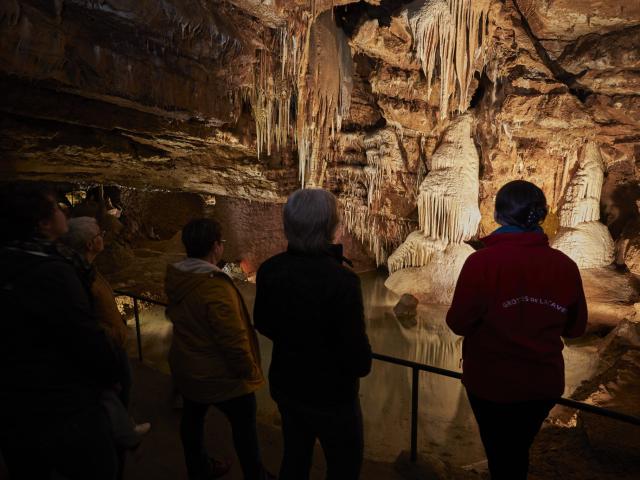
(446, 425)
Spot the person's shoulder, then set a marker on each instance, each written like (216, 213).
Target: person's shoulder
(56, 264)
(215, 286)
(273, 262)
(561, 259)
(479, 257)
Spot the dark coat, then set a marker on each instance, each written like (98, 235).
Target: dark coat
(54, 357)
(310, 306)
(513, 302)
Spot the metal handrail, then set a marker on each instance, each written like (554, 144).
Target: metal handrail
(416, 368)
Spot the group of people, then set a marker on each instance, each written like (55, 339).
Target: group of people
(64, 396)
(65, 373)
(514, 300)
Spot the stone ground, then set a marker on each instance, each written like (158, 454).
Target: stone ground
(160, 455)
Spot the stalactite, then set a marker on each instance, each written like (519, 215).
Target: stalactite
(379, 233)
(272, 90)
(449, 37)
(379, 162)
(324, 95)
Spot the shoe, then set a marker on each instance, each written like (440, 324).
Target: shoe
(142, 429)
(219, 468)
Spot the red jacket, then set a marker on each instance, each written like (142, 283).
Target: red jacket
(512, 303)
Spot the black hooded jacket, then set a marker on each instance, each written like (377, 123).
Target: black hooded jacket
(54, 357)
(310, 306)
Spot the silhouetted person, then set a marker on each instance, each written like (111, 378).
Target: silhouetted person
(513, 302)
(214, 355)
(310, 306)
(86, 238)
(54, 358)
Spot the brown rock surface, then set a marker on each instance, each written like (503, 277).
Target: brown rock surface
(140, 95)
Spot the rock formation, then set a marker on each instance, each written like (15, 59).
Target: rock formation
(428, 263)
(581, 235)
(252, 99)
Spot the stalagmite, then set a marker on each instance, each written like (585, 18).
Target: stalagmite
(581, 236)
(427, 264)
(582, 198)
(449, 37)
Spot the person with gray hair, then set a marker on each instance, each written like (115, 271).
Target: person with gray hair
(310, 305)
(87, 239)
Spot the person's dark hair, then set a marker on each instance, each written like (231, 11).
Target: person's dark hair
(199, 235)
(22, 208)
(522, 204)
(310, 219)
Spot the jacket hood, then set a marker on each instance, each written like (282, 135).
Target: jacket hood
(525, 239)
(182, 277)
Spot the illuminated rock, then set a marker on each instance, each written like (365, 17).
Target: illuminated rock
(428, 263)
(581, 236)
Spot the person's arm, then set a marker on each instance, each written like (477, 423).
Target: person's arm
(262, 309)
(353, 341)
(469, 299)
(231, 332)
(577, 313)
(73, 323)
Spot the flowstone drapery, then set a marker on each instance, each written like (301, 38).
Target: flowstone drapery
(324, 96)
(581, 235)
(428, 263)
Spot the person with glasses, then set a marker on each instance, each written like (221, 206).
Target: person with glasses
(55, 360)
(214, 355)
(86, 238)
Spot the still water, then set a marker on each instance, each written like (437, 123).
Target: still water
(446, 427)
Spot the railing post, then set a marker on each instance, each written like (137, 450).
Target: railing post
(415, 390)
(136, 314)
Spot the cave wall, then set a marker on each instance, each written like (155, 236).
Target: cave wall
(182, 95)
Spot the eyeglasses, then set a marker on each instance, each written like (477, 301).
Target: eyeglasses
(101, 233)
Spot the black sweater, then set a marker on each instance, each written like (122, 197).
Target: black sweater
(310, 306)
(54, 357)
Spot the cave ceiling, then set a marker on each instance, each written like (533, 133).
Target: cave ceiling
(251, 98)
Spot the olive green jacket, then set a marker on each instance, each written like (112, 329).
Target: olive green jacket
(214, 353)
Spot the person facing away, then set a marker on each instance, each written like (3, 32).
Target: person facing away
(55, 360)
(86, 238)
(310, 306)
(513, 302)
(214, 356)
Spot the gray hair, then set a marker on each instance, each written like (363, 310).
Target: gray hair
(81, 231)
(310, 219)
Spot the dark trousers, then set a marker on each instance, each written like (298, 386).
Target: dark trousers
(507, 431)
(339, 430)
(126, 381)
(241, 413)
(78, 448)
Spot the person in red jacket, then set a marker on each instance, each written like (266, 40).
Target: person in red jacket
(513, 302)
